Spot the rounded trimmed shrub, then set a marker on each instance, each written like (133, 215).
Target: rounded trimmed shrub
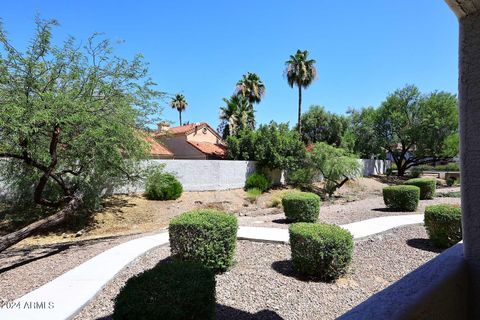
(444, 224)
(427, 187)
(322, 251)
(163, 186)
(257, 181)
(401, 198)
(301, 206)
(176, 291)
(205, 236)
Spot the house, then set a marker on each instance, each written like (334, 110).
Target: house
(158, 150)
(192, 141)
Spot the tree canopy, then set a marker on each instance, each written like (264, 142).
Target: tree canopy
(417, 128)
(319, 125)
(274, 146)
(71, 117)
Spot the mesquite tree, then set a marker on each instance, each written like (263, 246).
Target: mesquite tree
(70, 121)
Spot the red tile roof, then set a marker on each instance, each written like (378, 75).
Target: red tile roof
(156, 148)
(212, 149)
(187, 128)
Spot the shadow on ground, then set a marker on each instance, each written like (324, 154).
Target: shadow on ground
(227, 313)
(423, 244)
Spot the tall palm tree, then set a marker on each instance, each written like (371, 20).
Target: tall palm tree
(178, 102)
(300, 71)
(251, 87)
(238, 114)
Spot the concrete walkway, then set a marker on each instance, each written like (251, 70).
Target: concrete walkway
(66, 295)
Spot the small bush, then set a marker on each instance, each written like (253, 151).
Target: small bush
(258, 181)
(301, 206)
(451, 194)
(175, 291)
(320, 250)
(253, 194)
(443, 224)
(427, 187)
(416, 172)
(162, 186)
(451, 181)
(204, 236)
(402, 198)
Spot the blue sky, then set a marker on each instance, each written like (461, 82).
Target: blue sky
(364, 49)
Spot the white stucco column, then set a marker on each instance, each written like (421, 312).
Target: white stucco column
(468, 13)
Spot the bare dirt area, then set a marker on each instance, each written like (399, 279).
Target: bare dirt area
(262, 285)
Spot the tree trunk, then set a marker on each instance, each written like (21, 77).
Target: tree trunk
(53, 220)
(180, 116)
(300, 109)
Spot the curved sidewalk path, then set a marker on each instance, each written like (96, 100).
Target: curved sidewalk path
(65, 296)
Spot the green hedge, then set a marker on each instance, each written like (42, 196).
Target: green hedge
(163, 186)
(320, 250)
(204, 236)
(301, 206)
(401, 198)
(427, 187)
(258, 181)
(174, 291)
(443, 224)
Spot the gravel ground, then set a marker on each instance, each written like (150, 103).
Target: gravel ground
(23, 270)
(262, 286)
(344, 213)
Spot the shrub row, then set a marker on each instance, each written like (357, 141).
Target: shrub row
(401, 198)
(427, 187)
(301, 206)
(321, 251)
(443, 224)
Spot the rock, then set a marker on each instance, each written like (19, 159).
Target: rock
(79, 233)
(64, 235)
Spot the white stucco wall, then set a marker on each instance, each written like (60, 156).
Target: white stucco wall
(375, 167)
(201, 175)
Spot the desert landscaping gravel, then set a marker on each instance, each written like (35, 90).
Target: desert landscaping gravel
(262, 285)
(25, 269)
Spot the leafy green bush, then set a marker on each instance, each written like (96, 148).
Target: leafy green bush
(176, 291)
(427, 187)
(253, 194)
(320, 250)
(451, 181)
(162, 186)
(447, 167)
(258, 181)
(443, 224)
(301, 178)
(402, 198)
(205, 236)
(416, 172)
(273, 146)
(301, 206)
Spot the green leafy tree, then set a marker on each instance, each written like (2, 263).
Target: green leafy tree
(300, 71)
(273, 146)
(335, 165)
(418, 129)
(178, 102)
(236, 115)
(251, 87)
(361, 136)
(70, 122)
(318, 125)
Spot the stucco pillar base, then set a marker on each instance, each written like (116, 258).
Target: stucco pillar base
(468, 12)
